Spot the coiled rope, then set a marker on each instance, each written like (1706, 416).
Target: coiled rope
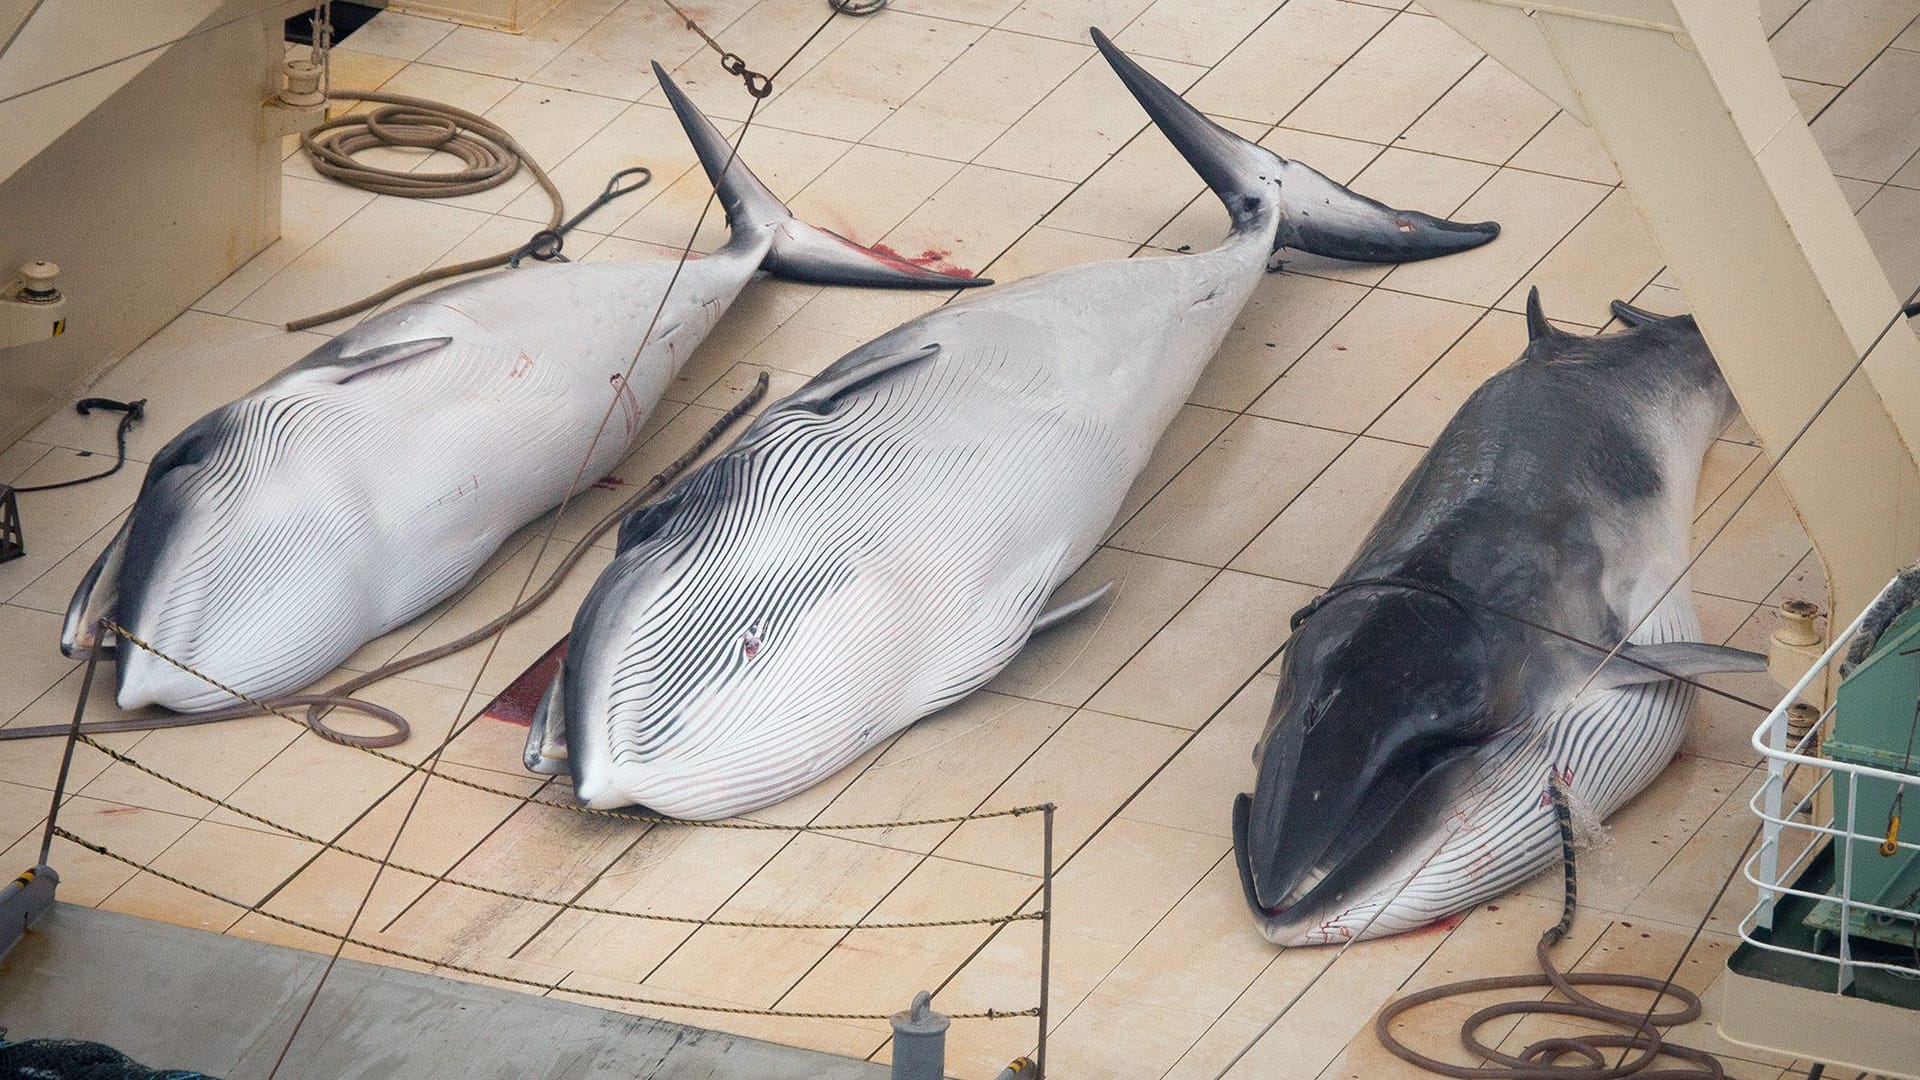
(491, 155)
(1541, 1059)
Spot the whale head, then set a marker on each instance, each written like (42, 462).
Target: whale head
(223, 568)
(1383, 706)
(720, 663)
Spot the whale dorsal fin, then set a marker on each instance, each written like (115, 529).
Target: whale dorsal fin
(1636, 664)
(853, 371)
(325, 366)
(1537, 324)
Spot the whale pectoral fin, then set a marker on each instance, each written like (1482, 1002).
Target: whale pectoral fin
(546, 751)
(643, 522)
(1634, 316)
(96, 598)
(851, 372)
(1053, 617)
(328, 366)
(1684, 659)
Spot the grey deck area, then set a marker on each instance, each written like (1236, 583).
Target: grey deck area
(184, 999)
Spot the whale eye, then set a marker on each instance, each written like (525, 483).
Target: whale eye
(751, 641)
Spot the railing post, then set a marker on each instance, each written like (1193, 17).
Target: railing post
(1046, 936)
(66, 759)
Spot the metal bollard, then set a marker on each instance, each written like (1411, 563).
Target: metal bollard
(23, 901)
(920, 1041)
(1018, 1069)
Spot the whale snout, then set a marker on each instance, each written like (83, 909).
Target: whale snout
(144, 679)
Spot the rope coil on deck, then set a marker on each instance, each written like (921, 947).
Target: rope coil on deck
(1541, 1059)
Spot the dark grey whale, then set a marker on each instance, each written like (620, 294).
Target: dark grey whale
(1427, 698)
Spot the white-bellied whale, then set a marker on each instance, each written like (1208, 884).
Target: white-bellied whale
(882, 542)
(1455, 668)
(370, 480)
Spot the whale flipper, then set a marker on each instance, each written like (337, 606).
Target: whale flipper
(1634, 316)
(851, 372)
(801, 252)
(1686, 659)
(95, 599)
(1053, 617)
(546, 751)
(326, 365)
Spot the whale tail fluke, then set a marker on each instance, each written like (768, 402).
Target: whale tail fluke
(1318, 215)
(801, 252)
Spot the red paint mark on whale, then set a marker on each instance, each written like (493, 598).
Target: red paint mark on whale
(518, 702)
(934, 259)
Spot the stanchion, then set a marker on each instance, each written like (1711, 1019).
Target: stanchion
(1046, 936)
(30, 895)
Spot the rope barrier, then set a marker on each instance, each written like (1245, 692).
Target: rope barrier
(254, 909)
(129, 761)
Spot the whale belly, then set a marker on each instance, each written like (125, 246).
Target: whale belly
(289, 528)
(852, 572)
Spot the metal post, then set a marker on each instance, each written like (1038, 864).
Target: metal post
(920, 1041)
(1046, 936)
(66, 760)
(1847, 841)
(1776, 787)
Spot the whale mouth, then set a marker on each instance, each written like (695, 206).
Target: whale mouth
(1395, 815)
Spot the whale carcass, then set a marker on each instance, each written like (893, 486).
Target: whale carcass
(1464, 661)
(371, 479)
(883, 541)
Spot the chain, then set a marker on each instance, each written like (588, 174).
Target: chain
(127, 760)
(758, 85)
(255, 909)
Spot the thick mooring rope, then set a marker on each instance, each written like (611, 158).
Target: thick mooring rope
(491, 155)
(1541, 1059)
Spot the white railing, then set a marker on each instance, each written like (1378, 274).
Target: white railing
(1779, 829)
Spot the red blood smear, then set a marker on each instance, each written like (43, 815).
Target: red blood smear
(518, 702)
(931, 259)
(609, 483)
(1439, 927)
